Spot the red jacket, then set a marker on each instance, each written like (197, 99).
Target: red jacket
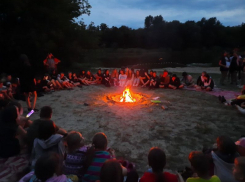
(150, 177)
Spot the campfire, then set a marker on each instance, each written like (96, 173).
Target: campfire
(126, 97)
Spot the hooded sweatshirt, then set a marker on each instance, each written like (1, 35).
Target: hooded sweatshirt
(52, 144)
(223, 169)
(30, 177)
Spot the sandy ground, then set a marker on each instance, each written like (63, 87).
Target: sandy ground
(193, 119)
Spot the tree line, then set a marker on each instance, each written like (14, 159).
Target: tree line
(37, 27)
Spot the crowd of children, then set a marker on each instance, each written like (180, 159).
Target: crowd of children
(56, 155)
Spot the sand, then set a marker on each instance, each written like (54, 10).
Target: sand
(193, 119)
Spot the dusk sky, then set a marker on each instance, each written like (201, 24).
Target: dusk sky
(132, 13)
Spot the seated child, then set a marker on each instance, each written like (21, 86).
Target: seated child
(47, 141)
(75, 158)
(187, 80)
(82, 78)
(64, 81)
(48, 169)
(164, 80)
(130, 77)
(241, 146)
(200, 165)
(99, 77)
(239, 169)
(122, 78)
(55, 82)
(113, 171)
(157, 161)
(114, 77)
(73, 80)
(200, 80)
(208, 83)
(223, 158)
(144, 78)
(136, 80)
(96, 157)
(106, 78)
(175, 82)
(90, 78)
(154, 82)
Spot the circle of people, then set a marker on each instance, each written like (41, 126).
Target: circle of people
(58, 156)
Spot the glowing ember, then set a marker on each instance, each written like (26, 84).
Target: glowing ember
(127, 97)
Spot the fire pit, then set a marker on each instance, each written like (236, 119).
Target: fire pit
(126, 96)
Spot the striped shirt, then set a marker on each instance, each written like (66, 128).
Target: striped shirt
(93, 172)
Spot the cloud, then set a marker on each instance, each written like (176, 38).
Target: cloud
(133, 12)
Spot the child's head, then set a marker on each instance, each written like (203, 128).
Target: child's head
(184, 74)
(46, 112)
(69, 74)
(199, 163)
(165, 73)
(10, 114)
(156, 159)
(100, 141)
(46, 166)
(239, 169)
(62, 75)
(74, 140)
(204, 73)
(226, 145)
(46, 129)
(111, 171)
(241, 146)
(174, 76)
(154, 74)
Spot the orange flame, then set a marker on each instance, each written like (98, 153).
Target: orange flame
(127, 97)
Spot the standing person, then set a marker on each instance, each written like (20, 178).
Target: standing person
(28, 82)
(223, 67)
(157, 161)
(233, 69)
(51, 63)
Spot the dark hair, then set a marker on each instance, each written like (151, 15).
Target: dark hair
(226, 145)
(16, 104)
(157, 160)
(184, 74)
(99, 142)
(46, 166)
(9, 115)
(207, 76)
(111, 171)
(174, 75)
(199, 162)
(46, 129)
(46, 112)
